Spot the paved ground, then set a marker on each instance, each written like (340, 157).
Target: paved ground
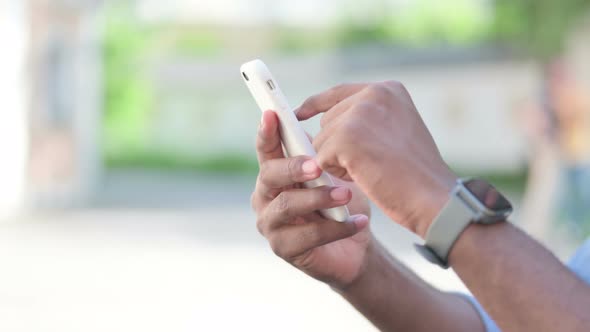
(161, 253)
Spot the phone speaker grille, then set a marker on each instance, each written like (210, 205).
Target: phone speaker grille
(271, 84)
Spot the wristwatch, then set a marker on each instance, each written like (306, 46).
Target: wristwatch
(471, 201)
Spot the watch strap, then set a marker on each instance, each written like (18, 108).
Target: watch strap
(445, 229)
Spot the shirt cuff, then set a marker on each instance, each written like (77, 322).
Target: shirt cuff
(488, 323)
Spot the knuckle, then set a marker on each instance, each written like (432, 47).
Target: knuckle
(351, 126)
(260, 225)
(398, 89)
(311, 235)
(276, 245)
(365, 112)
(394, 85)
(361, 109)
(377, 90)
(282, 206)
(265, 169)
(294, 168)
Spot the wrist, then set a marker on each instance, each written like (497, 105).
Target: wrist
(434, 199)
(370, 272)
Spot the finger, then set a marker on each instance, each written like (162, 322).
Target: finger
(282, 172)
(324, 101)
(294, 203)
(268, 140)
(359, 202)
(340, 108)
(330, 163)
(329, 144)
(327, 133)
(293, 241)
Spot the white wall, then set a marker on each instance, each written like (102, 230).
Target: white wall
(471, 109)
(88, 105)
(13, 115)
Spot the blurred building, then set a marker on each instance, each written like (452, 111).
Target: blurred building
(252, 12)
(66, 96)
(460, 93)
(475, 92)
(51, 87)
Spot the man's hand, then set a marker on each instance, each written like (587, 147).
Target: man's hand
(373, 135)
(327, 250)
(344, 255)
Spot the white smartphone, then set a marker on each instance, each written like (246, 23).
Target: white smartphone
(268, 96)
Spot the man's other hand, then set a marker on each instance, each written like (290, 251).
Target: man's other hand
(287, 215)
(373, 135)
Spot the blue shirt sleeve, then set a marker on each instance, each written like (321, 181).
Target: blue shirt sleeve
(488, 323)
(579, 264)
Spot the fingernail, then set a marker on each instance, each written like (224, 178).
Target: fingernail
(297, 111)
(309, 167)
(360, 221)
(340, 193)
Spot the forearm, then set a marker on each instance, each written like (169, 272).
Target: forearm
(395, 299)
(519, 283)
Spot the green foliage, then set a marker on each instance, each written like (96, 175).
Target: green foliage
(127, 91)
(287, 40)
(539, 26)
(419, 23)
(451, 22)
(350, 33)
(230, 163)
(196, 42)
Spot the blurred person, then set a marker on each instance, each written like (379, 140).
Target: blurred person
(570, 107)
(540, 127)
(375, 142)
(558, 129)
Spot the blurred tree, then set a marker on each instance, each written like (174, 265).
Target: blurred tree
(415, 23)
(127, 92)
(540, 27)
(130, 45)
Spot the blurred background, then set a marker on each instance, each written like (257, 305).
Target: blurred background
(128, 157)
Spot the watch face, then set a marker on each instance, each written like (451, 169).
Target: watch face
(488, 195)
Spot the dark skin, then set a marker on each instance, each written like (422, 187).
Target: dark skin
(373, 137)
(287, 214)
(344, 255)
